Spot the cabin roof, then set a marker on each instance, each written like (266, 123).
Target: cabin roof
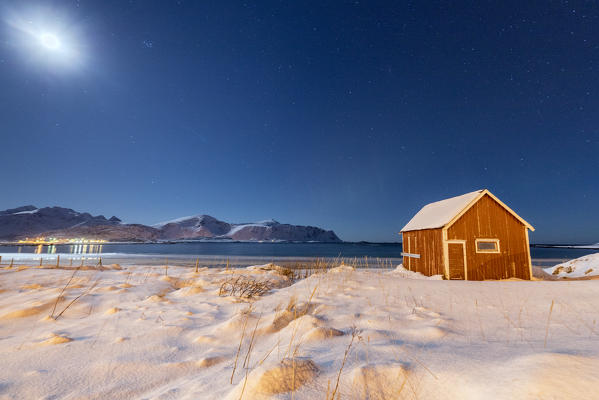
(442, 213)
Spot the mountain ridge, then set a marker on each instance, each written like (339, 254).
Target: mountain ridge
(60, 222)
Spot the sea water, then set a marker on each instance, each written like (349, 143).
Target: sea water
(237, 253)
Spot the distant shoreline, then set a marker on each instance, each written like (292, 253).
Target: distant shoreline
(568, 246)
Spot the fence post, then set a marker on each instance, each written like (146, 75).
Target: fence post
(166, 267)
(11, 261)
(197, 263)
(41, 261)
(58, 261)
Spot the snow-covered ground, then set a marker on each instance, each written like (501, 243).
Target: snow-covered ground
(378, 334)
(585, 266)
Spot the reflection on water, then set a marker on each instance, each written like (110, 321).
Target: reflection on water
(85, 249)
(71, 249)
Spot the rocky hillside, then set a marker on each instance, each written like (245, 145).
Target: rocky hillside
(205, 226)
(201, 226)
(114, 233)
(30, 221)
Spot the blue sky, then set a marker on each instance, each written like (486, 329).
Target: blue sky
(345, 115)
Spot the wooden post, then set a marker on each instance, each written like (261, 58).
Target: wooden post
(11, 261)
(41, 261)
(197, 263)
(71, 263)
(100, 262)
(0, 259)
(58, 261)
(166, 267)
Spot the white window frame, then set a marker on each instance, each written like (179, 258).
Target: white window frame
(496, 241)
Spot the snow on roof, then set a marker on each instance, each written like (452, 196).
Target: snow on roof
(438, 214)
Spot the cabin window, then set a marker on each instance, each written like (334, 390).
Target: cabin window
(487, 245)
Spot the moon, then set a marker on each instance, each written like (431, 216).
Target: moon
(49, 41)
(48, 38)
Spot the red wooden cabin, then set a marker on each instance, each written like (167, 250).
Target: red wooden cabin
(474, 236)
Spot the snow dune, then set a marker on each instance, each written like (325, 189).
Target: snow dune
(585, 266)
(149, 332)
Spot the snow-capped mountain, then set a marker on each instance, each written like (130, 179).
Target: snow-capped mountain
(199, 226)
(29, 221)
(205, 226)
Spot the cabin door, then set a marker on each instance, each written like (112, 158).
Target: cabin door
(457, 260)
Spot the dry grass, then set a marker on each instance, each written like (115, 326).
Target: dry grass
(347, 350)
(246, 362)
(244, 287)
(245, 322)
(297, 314)
(548, 321)
(84, 293)
(62, 291)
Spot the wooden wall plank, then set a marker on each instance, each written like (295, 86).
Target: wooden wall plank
(488, 220)
(429, 244)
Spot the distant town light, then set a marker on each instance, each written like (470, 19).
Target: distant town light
(53, 241)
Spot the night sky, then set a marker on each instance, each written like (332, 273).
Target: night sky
(345, 115)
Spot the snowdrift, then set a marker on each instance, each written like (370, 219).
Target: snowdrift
(585, 266)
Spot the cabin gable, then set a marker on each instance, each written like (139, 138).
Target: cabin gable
(487, 219)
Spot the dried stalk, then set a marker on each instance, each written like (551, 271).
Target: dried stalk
(62, 291)
(77, 298)
(353, 335)
(246, 362)
(548, 319)
(240, 343)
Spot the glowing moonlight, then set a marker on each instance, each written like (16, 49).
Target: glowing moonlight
(49, 41)
(46, 37)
